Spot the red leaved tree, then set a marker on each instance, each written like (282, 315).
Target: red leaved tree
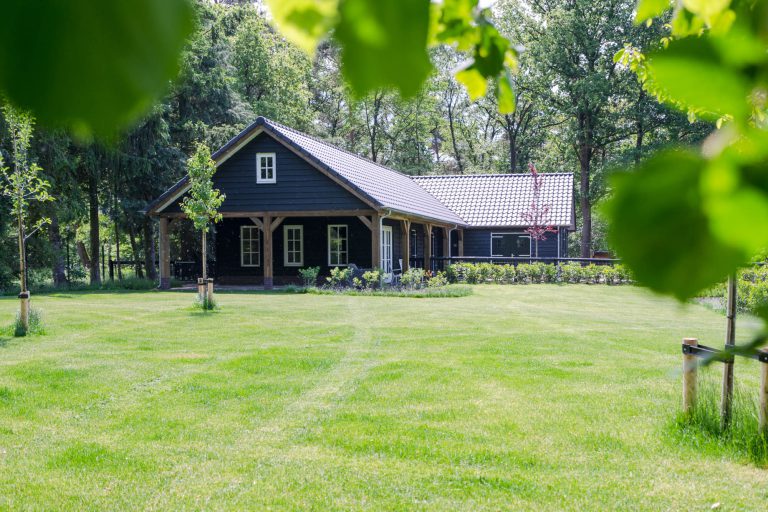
(537, 215)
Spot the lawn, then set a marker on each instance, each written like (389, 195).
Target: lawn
(539, 397)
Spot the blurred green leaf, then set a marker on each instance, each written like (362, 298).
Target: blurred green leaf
(647, 9)
(505, 95)
(384, 43)
(304, 22)
(660, 229)
(94, 67)
(691, 72)
(475, 83)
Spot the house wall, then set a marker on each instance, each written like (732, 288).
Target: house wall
(229, 269)
(299, 187)
(477, 242)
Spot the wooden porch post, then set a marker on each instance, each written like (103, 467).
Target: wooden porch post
(268, 259)
(446, 242)
(405, 244)
(461, 242)
(165, 255)
(375, 241)
(427, 246)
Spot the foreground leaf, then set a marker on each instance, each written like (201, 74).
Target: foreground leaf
(384, 43)
(691, 72)
(660, 229)
(94, 67)
(304, 22)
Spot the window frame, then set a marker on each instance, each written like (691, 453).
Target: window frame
(300, 228)
(346, 238)
(517, 233)
(266, 181)
(258, 246)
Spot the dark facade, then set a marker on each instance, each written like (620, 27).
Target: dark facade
(298, 187)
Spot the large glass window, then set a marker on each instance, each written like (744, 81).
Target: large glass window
(265, 168)
(338, 245)
(250, 246)
(293, 246)
(510, 244)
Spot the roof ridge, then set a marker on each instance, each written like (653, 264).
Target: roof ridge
(489, 175)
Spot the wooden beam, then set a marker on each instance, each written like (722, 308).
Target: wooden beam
(365, 220)
(405, 243)
(375, 241)
(295, 213)
(165, 255)
(461, 242)
(258, 222)
(446, 242)
(268, 259)
(276, 223)
(427, 246)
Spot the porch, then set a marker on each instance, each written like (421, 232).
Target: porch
(269, 248)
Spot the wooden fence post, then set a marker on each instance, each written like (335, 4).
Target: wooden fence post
(690, 383)
(726, 401)
(763, 404)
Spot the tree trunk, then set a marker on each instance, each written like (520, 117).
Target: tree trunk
(57, 265)
(93, 216)
(135, 250)
(149, 250)
(454, 143)
(117, 252)
(512, 151)
(585, 167)
(205, 255)
(586, 209)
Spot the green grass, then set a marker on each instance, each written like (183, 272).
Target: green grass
(540, 397)
(448, 291)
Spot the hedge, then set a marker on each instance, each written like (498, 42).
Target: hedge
(528, 273)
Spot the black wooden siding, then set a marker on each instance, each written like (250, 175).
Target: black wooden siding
(477, 242)
(228, 268)
(299, 187)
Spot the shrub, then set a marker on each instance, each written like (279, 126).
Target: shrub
(309, 276)
(570, 272)
(340, 277)
(373, 278)
(437, 280)
(412, 278)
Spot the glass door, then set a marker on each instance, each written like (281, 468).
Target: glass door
(386, 249)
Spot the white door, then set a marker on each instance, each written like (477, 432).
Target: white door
(386, 249)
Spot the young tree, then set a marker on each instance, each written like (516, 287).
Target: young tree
(537, 214)
(22, 184)
(203, 201)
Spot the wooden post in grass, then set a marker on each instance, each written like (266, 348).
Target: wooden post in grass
(763, 404)
(726, 401)
(24, 310)
(690, 383)
(210, 289)
(201, 289)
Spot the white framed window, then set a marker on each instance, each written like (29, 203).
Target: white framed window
(506, 245)
(386, 249)
(338, 245)
(293, 246)
(250, 246)
(266, 170)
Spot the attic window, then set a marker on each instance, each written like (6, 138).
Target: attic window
(265, 168)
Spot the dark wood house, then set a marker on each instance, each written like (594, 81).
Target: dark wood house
(295, 201)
